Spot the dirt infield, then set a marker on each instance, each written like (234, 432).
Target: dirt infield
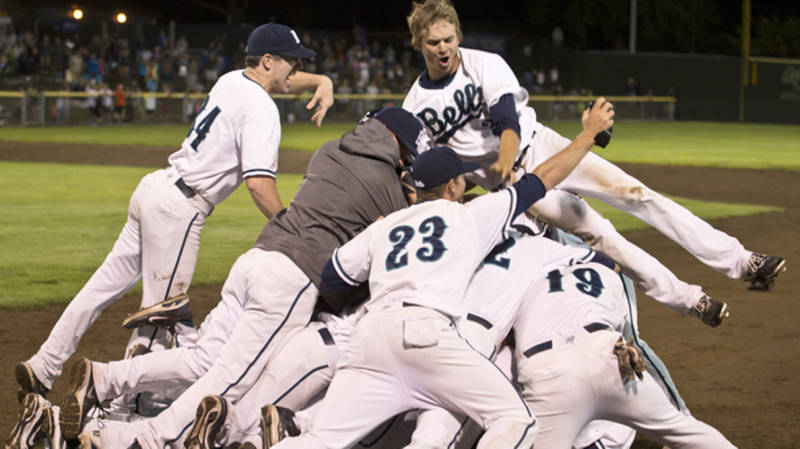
(740, 378)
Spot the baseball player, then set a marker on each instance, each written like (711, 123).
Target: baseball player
(305, 366)
(406, 352)
(471, 101)
(568, 333)
(494, 297)
(349, 183)
(234, 138)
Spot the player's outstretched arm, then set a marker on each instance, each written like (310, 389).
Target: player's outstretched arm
(323, 93)
(561, 164)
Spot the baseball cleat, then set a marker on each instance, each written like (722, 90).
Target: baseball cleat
(277, 423)
(52, 429)
(165, 314)
(211, 414)
(28, 382)
(710, 311)
(27, 432)
(79, 401)
(762, 271)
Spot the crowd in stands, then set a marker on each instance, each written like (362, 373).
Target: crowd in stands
(110, 67)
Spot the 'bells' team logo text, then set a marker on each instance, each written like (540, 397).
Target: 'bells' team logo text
(468, 105)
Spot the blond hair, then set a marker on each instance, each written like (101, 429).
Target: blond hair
(425, 14)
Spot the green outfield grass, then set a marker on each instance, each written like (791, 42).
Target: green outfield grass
(56, 228)
(733, 145)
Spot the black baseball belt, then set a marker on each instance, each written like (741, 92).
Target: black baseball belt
(544, 346)
(186, 190)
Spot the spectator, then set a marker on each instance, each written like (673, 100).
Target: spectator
(119, 103)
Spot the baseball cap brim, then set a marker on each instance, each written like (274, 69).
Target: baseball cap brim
(300, 52)
(469, 167)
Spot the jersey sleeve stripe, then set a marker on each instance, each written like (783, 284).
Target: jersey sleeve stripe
(340, 270)
(512, 207)
(258, 172)
(588, 256)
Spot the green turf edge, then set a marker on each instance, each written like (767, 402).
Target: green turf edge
(60, 221)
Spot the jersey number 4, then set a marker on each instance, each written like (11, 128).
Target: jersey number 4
(202, 127)
(589, 281)
(432, 246)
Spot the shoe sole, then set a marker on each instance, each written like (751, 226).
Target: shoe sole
(208, 422)
(723, 313)
(160, 315)
(27, 381)
(270, 423)
(31, 407)
(76, 406)
(780, 268)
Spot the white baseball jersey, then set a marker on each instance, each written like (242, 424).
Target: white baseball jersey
(457, 113)
(498, 287)
(426, 254)
(235, 135)
(565, 298)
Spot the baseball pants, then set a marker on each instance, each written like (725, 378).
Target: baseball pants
(410, 358)
(159, 244)
(296, 374)
(177, 367)
(572, 384)
(597, 178)
(279, 302)
(439, 429)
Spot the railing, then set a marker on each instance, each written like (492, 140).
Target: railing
(80, 108)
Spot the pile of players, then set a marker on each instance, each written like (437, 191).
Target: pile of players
(378, 288)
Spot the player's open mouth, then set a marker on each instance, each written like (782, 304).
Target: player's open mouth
(444, 60)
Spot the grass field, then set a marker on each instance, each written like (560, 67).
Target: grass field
(669, 143)
(56, 233)
(56, 229)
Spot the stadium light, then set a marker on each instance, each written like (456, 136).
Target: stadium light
(77, 13)
(121, 17)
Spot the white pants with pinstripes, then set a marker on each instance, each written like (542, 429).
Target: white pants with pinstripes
(278, 302)
(158, 244)
(409, 358)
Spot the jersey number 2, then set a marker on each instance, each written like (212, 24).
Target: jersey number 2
(431, 251)
(201, 128)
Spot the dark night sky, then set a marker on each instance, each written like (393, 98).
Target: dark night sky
(342, 14)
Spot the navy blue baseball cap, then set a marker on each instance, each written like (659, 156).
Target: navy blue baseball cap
(276, 39)
(437, 166)
(405, 126)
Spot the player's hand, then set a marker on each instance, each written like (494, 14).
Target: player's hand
(599, 117)
(504, 169)
(321, 101)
